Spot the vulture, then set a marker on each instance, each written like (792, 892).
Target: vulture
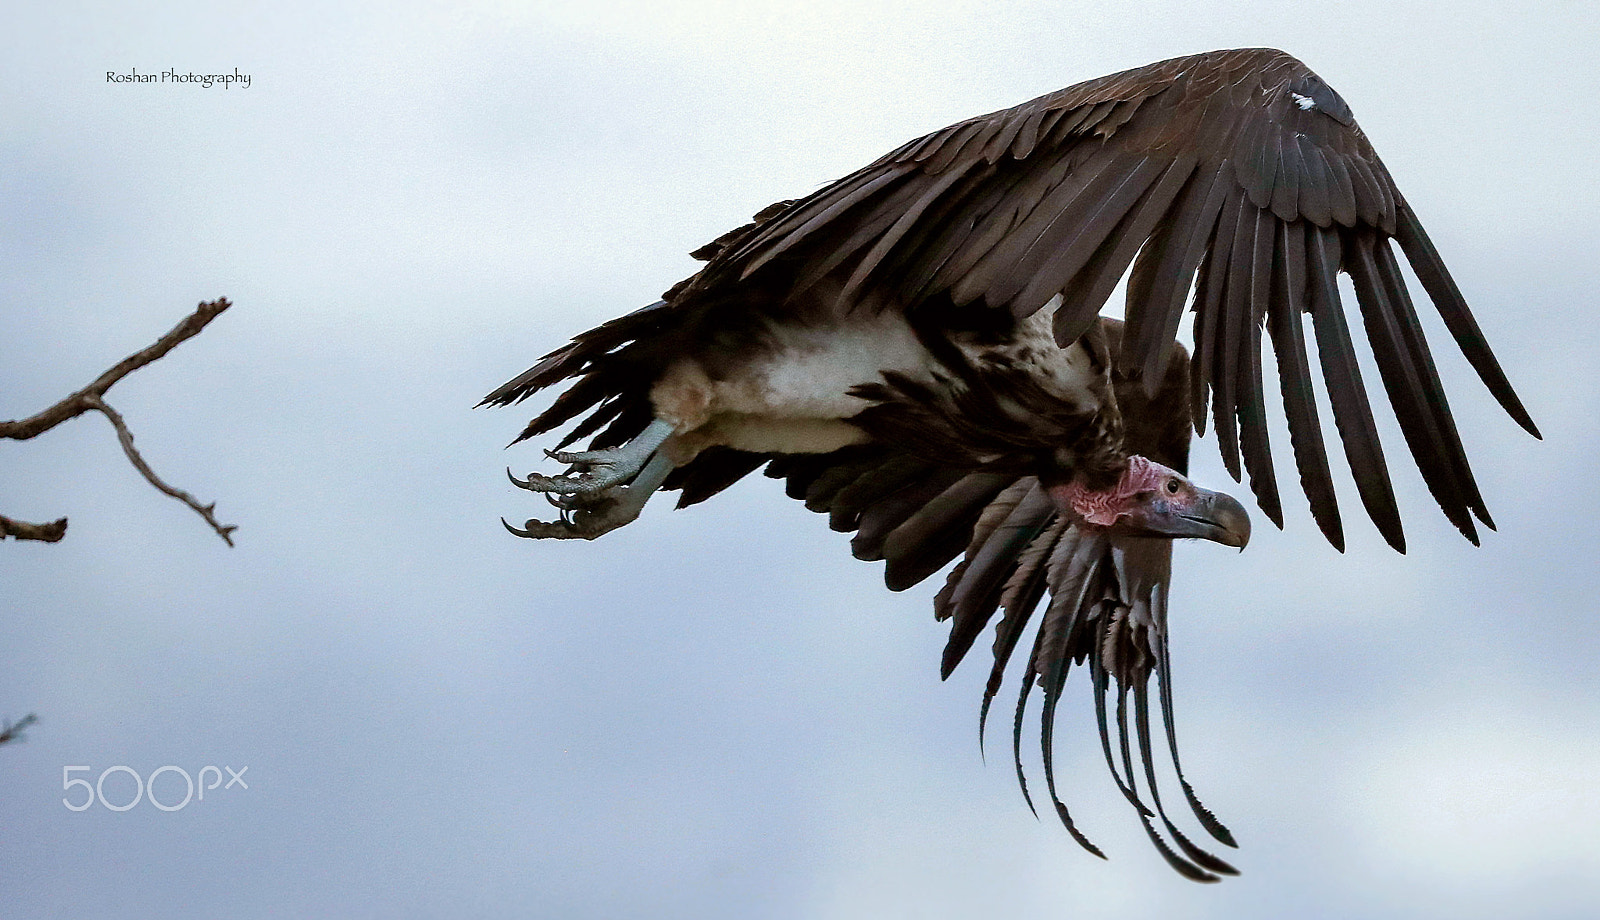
(917, 350)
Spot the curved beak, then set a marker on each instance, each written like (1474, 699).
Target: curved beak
(1214, 516)
(1197, 514)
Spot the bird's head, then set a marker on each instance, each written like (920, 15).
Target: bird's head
(1152, 500)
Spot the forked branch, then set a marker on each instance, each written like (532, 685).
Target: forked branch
(92, 397)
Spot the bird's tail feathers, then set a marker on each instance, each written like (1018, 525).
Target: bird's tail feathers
(608, 381)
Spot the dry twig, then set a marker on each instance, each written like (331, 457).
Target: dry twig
(92, 397)
(22, 530)
(10, 732)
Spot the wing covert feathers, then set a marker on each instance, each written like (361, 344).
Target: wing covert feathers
(1216, 172)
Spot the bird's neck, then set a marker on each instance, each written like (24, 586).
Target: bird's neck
(1099, 496)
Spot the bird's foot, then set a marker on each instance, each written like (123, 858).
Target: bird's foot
(591, 472)
(602, 490)
(584, 516)
(594, 471)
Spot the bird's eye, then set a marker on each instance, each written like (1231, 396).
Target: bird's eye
(1172, 487)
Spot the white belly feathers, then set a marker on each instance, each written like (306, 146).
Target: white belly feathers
(793, 396)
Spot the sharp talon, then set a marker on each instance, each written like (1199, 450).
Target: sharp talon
(532, 483)
(575, 502)
(520, 533)
(537, 482)
(578, 458)
(601, 489)
(544, 530)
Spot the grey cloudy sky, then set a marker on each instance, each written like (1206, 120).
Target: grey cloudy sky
(713, 713)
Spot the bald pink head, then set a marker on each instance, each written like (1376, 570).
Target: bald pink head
(1103, 507)
(1154, 500)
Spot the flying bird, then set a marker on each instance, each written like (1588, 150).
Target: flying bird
(917, 350)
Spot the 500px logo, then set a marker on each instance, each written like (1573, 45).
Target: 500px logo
(146, 789)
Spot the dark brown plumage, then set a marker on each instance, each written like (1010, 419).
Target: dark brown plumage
(1238, 175)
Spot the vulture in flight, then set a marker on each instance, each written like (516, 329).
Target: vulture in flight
(917, 350)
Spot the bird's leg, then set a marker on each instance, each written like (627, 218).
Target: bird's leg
(598, 470)
(590, 514)
(603, 490)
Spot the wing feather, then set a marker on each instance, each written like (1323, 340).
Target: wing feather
(1163, 672)
(1441, 288)
(902, 225)
(714, 470)
(1251, 401)
(604, 413)
(1028, 133)
(819, 212)
(820, 493)
(1164, 272)
(936, 159)
(1286, 184)
(938, 531)
(1369, 200)
(1023, 591)
(1195, 863)
(975, 594)
(1342, 192)
(887, 478)
(1317, 187)
(1083, 296)
(993, 517)
(998, 276)
(1009, 203)
(1431, 389)
(894, 509)
(1352, 414)
(1405, 380)
(1299, 401)
(1076, 579)
(1072, 237)
(1233, 325)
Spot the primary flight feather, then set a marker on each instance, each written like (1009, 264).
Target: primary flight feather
(917, 350)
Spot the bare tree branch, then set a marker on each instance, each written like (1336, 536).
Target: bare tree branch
(92, 397)
(10, 732)
(22, 530)
(126, 437)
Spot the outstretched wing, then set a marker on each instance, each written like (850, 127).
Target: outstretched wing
(1239, 174)
(1107, 595)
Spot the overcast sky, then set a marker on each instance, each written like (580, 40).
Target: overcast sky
(716, 712)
